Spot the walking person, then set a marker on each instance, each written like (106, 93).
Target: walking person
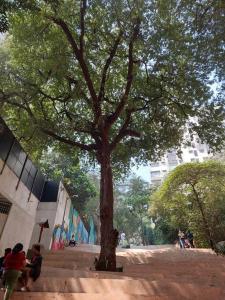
(13, 264)
(181, 237)
(123, 238)
(190, 238)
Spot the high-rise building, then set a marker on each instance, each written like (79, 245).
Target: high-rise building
(196, 151)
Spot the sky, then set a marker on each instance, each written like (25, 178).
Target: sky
(143, 171)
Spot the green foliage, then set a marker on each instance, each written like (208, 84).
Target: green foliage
(7, 6)
(58, 167)
(178, 45)
(193, 197)
(131, 211)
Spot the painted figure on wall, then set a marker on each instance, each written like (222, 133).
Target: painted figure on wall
(56, 244)
(63, 233)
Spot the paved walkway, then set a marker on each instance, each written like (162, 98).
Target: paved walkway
(159, 273)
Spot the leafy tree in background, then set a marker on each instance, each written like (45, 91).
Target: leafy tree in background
(115, 80)
(131, 211)
(57, 166)
(193, 197)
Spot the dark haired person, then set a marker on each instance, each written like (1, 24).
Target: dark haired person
(13, 264)
(190, 238)
(33, 269)
(7, 251)
(72, 242)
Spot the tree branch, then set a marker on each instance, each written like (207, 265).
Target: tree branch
(124, 131)
(83, 65)
(83, 6)
(124, 97)
(7, 99)
(52, 134)
(107, 65)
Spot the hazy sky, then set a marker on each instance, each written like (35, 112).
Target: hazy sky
(142, 171)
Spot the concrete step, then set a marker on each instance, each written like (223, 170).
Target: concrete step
(129, 286)
(207, 278)
(82, 296)
(65, 273)
(70, 265)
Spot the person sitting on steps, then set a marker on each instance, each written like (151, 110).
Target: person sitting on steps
(33, 269)
(7, 251)
(72, 242)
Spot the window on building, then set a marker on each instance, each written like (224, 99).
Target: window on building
(29, 173)
(155, 173)
(195, 153)
(16, 159)
(201, 150)
(194, 160)
(190, 151)
(6, 140)
(156, 182)
(38, 185)
(154, 164)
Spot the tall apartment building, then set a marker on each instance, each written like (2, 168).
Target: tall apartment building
(196, 152)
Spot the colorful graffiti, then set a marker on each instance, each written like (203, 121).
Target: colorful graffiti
(92, 232)
(72, 227)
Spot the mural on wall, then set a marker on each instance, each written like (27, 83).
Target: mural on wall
(92, 232)
(72, 226)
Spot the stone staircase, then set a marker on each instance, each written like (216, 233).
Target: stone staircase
(166, 274)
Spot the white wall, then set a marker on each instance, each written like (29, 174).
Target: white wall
(55, 213)
(21, 219)
(45, 211)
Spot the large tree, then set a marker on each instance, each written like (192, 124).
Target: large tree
(193, 197)
(114, 79)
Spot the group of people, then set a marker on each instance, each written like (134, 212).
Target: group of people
(186, 240)
(16, 269)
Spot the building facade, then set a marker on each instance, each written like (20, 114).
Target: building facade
(28, 199)
(195, 151)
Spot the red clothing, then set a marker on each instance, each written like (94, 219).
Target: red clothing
(14, 261)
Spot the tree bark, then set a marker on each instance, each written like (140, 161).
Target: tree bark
(109, 235)
(204, 219)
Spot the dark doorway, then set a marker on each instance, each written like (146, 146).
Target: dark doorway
(4, 212)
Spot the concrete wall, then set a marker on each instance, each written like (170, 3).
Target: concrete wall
(21, 219)
(45, 211)
(68, 223)
(53, 212)
(64, 221)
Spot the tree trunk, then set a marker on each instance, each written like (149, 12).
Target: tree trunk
(97, 227)
(204, 219)
(109, 235)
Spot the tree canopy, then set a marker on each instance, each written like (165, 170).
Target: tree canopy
(143, 68)
(193, 197)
